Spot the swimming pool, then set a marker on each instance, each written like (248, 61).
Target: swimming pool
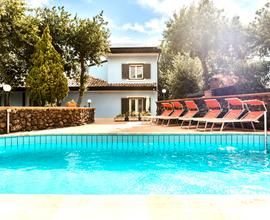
(134, 164)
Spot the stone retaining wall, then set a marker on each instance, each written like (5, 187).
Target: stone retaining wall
(38, 118)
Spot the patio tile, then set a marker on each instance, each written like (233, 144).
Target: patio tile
(109, 126)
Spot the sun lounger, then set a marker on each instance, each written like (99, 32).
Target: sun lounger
(192, 111)
(167, 110)
(214, 110)
(177, 112)
(252, 116)
(235, 110)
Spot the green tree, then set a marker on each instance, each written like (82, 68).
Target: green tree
(89, 40)
(165, 67)
(59, 22)
(46, 82)
(260, 29)
(18, 35)
(234, 49)
(185, 77)
(203, 31)
(253, 75)
(196, 30)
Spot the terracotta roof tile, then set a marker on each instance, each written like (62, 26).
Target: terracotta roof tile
(133, 84)
(94, 82)
(91, 82)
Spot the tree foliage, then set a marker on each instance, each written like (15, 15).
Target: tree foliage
(204, 32)
(234, 48)
(46, 82)
(18, 35)
(89, 40)
(185, 77)
(255, 75)
(261, 32)
(59, 22)
(78, 41)
(196, 30)
(165, 66)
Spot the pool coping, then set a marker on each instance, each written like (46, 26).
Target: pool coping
(108, 127)
(173, 207)
(129, 133)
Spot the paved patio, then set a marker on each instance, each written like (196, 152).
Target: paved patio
(103, 125)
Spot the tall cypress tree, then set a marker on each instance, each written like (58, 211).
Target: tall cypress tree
(46, 82)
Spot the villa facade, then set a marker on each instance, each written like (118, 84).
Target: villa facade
(125, 82)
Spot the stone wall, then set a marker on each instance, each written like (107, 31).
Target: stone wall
(38, 118)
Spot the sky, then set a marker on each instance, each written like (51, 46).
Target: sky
(141, 22)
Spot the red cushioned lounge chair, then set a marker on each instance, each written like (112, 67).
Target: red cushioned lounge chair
(192, 111)
(177, 112)
(214, 110)
(252, 116)
(167, 110)
(235, 110)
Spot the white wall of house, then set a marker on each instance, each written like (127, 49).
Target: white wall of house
(108, 103)
(99, 71)
(115, 67)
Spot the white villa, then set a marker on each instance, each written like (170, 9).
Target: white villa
(125, 82)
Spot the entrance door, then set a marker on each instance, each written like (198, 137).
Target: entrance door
(136, 105)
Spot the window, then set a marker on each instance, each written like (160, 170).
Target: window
(136, 71)
(136, 105)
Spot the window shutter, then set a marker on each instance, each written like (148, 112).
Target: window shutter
(144, 104)
(124, 105)
(147, 71)
(125, 71)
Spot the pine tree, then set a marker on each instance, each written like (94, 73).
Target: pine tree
(89, 41)
(46, 82)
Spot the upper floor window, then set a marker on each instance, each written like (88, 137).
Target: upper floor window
(136, 71)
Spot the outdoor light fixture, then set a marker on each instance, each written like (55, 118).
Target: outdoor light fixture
(7, 89)
(89, 102)
(163, 92)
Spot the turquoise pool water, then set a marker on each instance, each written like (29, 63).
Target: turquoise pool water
(135, 164)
